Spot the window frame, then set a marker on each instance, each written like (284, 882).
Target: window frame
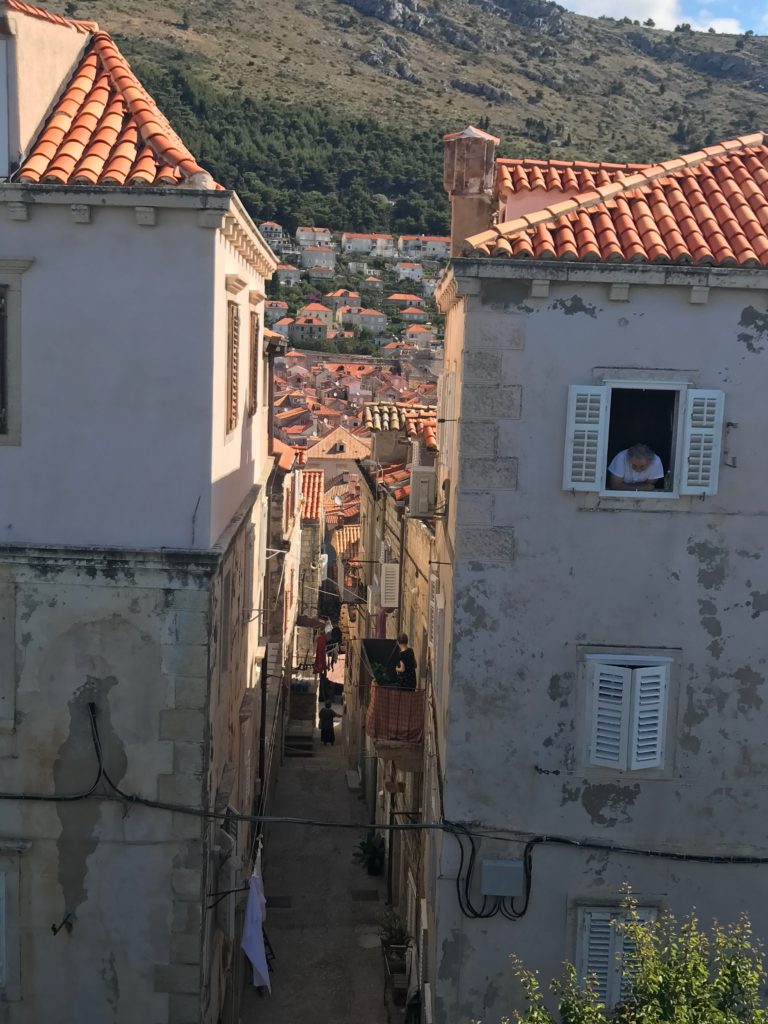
(254, 359)
(632, 662)
(11, 271)
(686, 391)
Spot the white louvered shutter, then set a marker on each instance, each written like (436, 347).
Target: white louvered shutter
(586, 435)
(437, 664)
(599, 948)
(650, 687)
(390, 584)
(611, 694)
(432, 611)
(702, 441)
(628, 948)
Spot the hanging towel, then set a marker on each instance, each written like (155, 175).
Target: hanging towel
(253, 929)
(320, 660)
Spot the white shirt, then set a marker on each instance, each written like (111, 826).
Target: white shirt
(621, 467)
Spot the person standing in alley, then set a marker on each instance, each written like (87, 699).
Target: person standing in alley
(326, 716)
(405, 664)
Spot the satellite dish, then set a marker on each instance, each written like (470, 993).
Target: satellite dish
(338, 500)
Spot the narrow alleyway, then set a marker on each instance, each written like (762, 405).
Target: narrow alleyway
(322, 908)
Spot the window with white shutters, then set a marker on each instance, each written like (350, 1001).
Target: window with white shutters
(390, 584)
(233, 354)
(603, 951)
(701, 444)
(585, 438)
(683, 426)
(432, 610)
(628, 715)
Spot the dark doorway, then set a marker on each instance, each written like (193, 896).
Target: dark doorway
(640, 416)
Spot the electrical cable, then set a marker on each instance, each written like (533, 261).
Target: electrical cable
(459, 830)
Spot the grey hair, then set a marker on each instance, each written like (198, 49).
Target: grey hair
(641, 451)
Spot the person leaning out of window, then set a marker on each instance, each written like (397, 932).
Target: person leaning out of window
(637, 468)
(405, 665)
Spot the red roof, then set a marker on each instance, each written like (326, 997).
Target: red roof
(316, 307)
(105, 128)
(312, 483)
(309, 321)
(706, 208)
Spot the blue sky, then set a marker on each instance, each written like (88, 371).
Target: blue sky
(722, 15)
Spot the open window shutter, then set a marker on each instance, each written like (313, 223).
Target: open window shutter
(585, 437)
(599, 946)
(649, 714)
(611, 691)
(702, 441)
(390, 584)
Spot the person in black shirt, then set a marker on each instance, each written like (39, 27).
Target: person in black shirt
(405, 665)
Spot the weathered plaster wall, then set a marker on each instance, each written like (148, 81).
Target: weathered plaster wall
(540, 573)
(130, 635)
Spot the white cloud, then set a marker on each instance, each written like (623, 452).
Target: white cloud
(665, 13)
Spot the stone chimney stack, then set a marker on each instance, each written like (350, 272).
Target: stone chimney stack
(468, 177)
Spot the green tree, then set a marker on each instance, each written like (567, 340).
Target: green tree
(675, 973)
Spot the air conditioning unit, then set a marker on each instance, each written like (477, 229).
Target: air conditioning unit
(423, 484)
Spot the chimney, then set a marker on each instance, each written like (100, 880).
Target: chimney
(468, 178)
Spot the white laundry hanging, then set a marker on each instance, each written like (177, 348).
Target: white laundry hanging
(253, 929)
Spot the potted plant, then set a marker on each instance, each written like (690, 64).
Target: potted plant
(370, 853)
(395, 941)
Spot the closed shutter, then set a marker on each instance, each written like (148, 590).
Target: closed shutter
(432, 612)
(233, 355)
(390, 584)
(649, 716)
(600, 945)
(628, 949)
(253, 393)
(611, 691)
(702, 441)
(585, 438)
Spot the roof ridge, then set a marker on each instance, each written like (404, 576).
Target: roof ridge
(604, 193)
(56, 19)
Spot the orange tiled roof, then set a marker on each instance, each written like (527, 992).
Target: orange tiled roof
(105, 129)
(403, 297)
(312, 482)
(418, 421)
(706, 208)
(57, 19)
(414, 309)
(417, 329)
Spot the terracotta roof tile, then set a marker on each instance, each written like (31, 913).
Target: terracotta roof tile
(418, 421)
(706, 208)
(105, 129)
(312, 483)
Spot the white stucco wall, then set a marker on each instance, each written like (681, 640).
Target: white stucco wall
(116, 324)
(541, 573)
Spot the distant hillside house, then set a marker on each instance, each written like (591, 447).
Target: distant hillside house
(343, 297)
(271, 231)
(287, 274)
(408, 271)
(409, 246)
(275, 309)
(313, 236)
(319, 273)
(319, 311)
(419, 335)
(358, 267)
(414, 315)
(306, 330)
(318, 256)
(358, 243)
(403, 300)
(373, 282)
(283, 326)
(435, 247)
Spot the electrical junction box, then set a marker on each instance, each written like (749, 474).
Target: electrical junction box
(502, 878)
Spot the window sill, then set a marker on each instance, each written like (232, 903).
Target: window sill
(607, 501)
(11, 439)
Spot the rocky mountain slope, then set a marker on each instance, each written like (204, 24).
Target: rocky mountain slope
(547, 80)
